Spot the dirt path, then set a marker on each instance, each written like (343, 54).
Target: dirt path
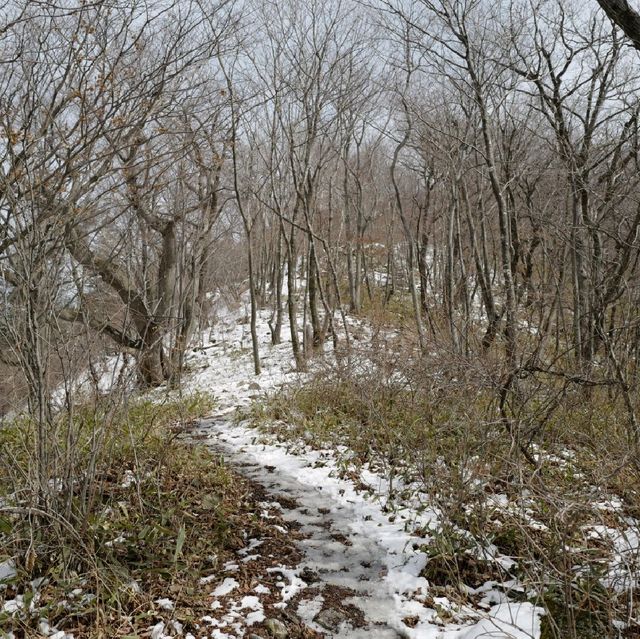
(361, 570)
(351, 586)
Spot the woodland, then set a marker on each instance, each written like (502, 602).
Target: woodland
(394, 240)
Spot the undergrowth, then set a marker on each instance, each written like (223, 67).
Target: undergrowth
(91, 558)
(558, 532)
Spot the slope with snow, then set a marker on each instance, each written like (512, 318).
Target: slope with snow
(351, 543)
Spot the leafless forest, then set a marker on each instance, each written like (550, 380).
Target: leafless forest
(462, 177)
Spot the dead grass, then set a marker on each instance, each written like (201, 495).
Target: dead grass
(159, 512)
(434, 429)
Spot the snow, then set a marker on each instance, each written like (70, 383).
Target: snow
(348, 539)
(225, 587)
(222, 363)
(505, 621)
(106, 375)
(291, 587)
(46, 630)
(308, 609)
(382, 562)
(157, 632)
(255, 617)
(250, 601)
(248, 558)
(7, 570)
(129, 479)
(252, 545)
(13, 605)
(231, 566)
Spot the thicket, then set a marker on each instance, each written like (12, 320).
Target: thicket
(129, 513)
(556, 489)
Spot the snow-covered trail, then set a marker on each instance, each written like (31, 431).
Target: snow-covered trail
(353, 545)
(360, 576)
(343, 541)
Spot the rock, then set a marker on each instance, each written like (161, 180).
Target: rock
(276, 628)
(330, 618)
(254, 386)
(309, 575)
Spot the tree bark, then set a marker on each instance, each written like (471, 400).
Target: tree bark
(625, 17)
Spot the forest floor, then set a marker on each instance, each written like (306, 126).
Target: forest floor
(356, 568)
(281, 531)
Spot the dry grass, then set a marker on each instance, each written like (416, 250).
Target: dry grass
(434, 429)
(160, 514)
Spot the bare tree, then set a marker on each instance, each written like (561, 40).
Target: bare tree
(91, 144)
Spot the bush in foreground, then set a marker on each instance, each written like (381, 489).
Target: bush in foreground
(90, 555)
(559, 531)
